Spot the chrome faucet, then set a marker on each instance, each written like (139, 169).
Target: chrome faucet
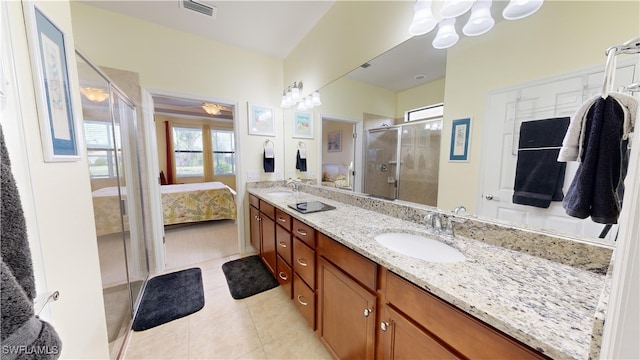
(457, 209)
(295, 185)
(434, 220)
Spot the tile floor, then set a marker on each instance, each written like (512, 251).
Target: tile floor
(264, 326)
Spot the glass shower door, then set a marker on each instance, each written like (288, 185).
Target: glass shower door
(419, 161)
(381, 166)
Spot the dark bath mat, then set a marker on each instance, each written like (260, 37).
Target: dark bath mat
(168, 297)
(248, 276)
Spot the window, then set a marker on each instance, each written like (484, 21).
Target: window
(427, 112)
(224, 152)
(187, 147)
(101, 150)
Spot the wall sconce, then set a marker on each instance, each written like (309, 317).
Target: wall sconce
(211, 109)
(293, 95)
(94, 94)
(479, 22)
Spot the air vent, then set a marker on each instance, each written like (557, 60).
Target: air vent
(201, 7)
(365, 65)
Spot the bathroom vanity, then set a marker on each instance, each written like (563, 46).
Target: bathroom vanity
(365, 300)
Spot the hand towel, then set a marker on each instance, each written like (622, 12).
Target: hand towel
(539, 176)
(301, 160)
(593, 191)
(22, 334)
(268, 160)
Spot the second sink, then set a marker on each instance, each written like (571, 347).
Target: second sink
(419, 247)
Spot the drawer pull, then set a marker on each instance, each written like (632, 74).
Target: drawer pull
(302, 262)
(384, 326)
(283, 276)
(283, 220)
(283, 244)
(301, 232)
(302, 302)
(367, 312)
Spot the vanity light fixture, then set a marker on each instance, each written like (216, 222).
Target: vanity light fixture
(423, 19)
(447, 35)
(518, 9)
(480, 20)
(293, 95)
(94, 94)
(212, 109)
(455, 8)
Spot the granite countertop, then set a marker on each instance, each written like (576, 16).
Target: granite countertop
(544, 304)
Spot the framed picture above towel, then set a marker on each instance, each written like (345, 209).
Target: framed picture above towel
(261, 120)
(460, 136)
(303, 125)
(50, 56)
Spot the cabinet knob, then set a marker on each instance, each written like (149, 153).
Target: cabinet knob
(367, 312)
(302, 262)
(282, 244)
(283, 276)
(282, 220)
(384, 326)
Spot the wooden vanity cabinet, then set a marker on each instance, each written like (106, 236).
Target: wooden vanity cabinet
(346, 301)
(284, 251)
(448, 326)
(263, 231)
(254, 230)
(303, 262)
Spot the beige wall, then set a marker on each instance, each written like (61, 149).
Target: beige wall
(561, 37)
(58, 207)
(420, 96)
(344, 156)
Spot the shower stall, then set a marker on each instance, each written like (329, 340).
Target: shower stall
(402, 161)
(110, 128)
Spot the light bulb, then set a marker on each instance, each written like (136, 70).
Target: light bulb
(447, 35)
(423, 19)
(518, 9)
(315, 99)
(454, 8)
(480, 20)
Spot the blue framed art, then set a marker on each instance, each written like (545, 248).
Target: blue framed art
(49, 60)
(460, 136)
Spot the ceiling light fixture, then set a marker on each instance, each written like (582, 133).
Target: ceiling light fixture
(447, 35)
(455, 8)
(518, 9)
(480, 20)
(293, 95)
(94, 94)
(423, 19)
(212, 109)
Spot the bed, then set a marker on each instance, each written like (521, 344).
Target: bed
(181, 203)
(335, 175)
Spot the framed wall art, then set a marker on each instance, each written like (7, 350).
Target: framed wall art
(261, 120)
(303, 125)
(50, 54)
(334, 141)
(460, 136)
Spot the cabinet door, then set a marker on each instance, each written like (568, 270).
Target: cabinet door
(346, 318)
(268, 229)
(254, 236)
(400, 339)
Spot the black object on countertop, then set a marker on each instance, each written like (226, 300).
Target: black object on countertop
(311, 207)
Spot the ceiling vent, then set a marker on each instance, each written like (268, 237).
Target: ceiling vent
(202, 7)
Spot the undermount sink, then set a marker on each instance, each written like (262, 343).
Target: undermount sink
(280, 193)
(419, 247)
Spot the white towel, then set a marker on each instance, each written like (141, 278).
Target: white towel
(303, 153)
(268, 152)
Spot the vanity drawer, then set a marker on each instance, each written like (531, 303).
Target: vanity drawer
(267, 209)
(284, 275)
(304, 232)
(357, 266)
(283, 219)
(305, 300)
(254, 201)
(283, 244)
(462, 332)
(304, 262)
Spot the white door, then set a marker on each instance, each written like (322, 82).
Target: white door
(505, 112)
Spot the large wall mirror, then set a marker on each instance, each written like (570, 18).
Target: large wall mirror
(499, 80)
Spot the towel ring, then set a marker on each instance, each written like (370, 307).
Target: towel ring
(302, 145)
(266, 143)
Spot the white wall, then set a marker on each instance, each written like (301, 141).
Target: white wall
(59, 209)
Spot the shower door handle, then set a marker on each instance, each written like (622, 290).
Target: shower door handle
(383, 167)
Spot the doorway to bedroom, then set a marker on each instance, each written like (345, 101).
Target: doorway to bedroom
(196, 152)
(340, 144)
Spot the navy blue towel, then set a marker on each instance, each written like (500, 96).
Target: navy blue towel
(593, 191)
(539, 176)
(269, 164)
(301, 164)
